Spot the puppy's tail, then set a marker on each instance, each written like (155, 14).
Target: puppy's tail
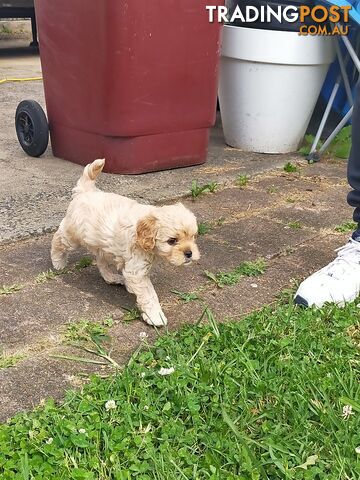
(86, 182)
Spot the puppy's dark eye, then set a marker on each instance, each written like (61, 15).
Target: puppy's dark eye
(172, 241)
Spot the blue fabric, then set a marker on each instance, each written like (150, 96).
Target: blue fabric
(354, 161)
(341, 104)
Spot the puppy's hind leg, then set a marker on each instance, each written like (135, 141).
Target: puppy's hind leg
(108, 272)
(60, 247)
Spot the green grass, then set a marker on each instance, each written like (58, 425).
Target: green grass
(259, 399)
(92, 338)
(5, 29)
(186, 297)
(206, 227)
(7, 361)
(10, 289)
(307, 144)
(340, 146)
(43, 277)
(85, 330)
(286, 295)
(272, 189)
(131, 314)
(197, 189)
(232, 277)
(290, 168)
(242, 180)
(83, 263)
(295, 225)
(346, 227)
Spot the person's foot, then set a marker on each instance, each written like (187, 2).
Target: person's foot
(338, 282)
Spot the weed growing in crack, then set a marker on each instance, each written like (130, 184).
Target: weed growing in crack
(206, 227)
(131, 314)
(197, 189)
(48, 275)
(92, 338)
(295, 225)
(290, 168)
(186, 297)
(346, 227)
(272, 189)
(8, 361)
(242, 180)
(232, 277)
(43, 277)
(84, 330)
(83, 263)
(10, 289)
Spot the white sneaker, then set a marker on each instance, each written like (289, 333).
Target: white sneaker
(338, 282)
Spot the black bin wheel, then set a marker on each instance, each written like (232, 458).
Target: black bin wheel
(32, 128)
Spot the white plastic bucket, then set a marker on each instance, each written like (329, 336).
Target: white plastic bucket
(269, 84)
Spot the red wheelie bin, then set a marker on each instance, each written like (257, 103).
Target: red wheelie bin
(133, 81)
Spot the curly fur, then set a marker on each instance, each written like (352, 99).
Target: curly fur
(125, 237)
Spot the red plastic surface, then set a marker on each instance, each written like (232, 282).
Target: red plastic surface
(140, 154)
(133, 80)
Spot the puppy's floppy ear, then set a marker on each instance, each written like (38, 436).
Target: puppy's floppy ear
(146, 231)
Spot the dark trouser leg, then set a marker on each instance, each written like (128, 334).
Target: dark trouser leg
(354, 160)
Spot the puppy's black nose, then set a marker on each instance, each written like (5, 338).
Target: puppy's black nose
(188, 254)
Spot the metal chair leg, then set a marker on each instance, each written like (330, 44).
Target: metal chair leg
(34, 42)
(336, 131)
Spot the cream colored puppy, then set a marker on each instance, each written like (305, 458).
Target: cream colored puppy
(125, 237)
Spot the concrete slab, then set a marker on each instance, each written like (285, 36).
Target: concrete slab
(38, 313)
(326, 209)
(230, 202)
(260, 237)
(328, 170)
(252, 293)
(214, 256)
(22, 262)
(41, 375)
(280, 184)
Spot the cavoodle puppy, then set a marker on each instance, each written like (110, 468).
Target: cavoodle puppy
(125, 237)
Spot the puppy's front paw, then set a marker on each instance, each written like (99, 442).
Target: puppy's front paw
(59, 262)
(114, 279)
(156, 318)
